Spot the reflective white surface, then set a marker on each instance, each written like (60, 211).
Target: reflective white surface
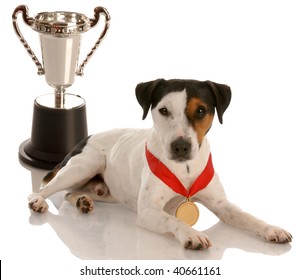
(65, 239)
(109, 232)
(251, 46)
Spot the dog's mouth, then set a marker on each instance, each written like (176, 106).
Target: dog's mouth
(180, 159)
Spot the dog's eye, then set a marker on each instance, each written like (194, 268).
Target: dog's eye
(201, 112)
(163, 111)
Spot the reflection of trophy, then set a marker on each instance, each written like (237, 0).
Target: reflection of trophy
(59, 119)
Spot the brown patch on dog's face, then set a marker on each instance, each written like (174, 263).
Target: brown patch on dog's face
(200, 116)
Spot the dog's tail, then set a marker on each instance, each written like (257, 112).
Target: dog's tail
(50, 175)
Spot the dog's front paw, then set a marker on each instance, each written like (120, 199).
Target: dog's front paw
(277, 235)
(38, 204)
(195, 240)
(84, 204)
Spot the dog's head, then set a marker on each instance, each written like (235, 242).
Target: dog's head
(183, 111)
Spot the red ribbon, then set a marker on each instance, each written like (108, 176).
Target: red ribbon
(168, 178)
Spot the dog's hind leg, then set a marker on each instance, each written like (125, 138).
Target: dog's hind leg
(73, 175)
(94, 190)
(83, 202)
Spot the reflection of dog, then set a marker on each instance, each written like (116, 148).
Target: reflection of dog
(112, 166)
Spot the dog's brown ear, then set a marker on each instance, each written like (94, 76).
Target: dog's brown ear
(144, 94)
(222, 94)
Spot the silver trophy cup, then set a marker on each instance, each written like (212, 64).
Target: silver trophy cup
(59, 119)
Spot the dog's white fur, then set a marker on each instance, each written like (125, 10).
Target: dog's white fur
(119, 156)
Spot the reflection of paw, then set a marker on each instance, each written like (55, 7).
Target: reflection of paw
(38, 220)
(277, 235)
(38, 204)
(84, 204)
(195, 240)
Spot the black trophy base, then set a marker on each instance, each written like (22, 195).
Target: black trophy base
(25, 157)
(56, 128)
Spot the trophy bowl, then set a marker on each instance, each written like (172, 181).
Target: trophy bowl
(59, 119)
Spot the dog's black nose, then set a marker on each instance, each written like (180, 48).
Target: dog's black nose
(181, 149)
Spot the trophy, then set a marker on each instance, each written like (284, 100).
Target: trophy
(59, 118)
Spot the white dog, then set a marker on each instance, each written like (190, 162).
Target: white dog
(116, 166)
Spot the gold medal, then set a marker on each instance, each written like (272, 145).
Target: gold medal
(188, 212)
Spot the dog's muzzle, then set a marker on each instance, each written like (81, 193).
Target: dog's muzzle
(181, 149)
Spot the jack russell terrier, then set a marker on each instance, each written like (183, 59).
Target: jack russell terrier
(158, 172)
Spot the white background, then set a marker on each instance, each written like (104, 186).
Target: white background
(252, 46)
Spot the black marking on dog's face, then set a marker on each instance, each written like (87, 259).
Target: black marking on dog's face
(183, 112)
(214, 95)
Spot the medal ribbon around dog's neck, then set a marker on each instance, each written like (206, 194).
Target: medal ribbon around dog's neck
(187, 211)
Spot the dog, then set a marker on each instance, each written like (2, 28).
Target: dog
(113, 166)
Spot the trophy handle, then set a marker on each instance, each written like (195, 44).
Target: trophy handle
(97, 12)
(28, 20)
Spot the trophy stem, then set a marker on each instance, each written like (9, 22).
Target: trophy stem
(60, 98)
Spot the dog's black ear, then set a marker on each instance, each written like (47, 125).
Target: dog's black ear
(222, 95)
(144, 94)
